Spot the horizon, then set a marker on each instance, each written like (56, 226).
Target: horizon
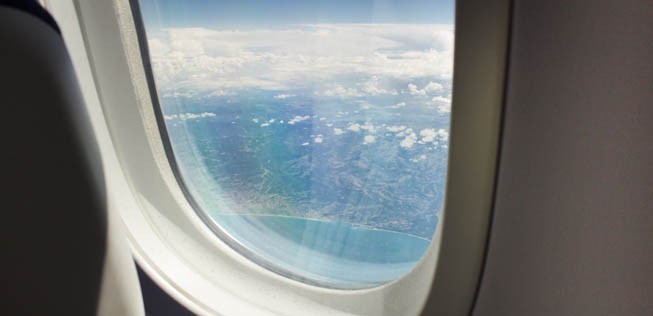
(252, 14)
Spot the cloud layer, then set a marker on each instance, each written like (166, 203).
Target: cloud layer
(331, 59)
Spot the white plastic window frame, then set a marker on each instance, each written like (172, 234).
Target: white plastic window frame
(181, 253)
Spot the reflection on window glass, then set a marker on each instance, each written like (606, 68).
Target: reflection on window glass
(312, 135)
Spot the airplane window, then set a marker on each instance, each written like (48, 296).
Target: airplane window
(311, 136)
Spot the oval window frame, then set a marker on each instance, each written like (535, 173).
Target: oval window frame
(178, 250)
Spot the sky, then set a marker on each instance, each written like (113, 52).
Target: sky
(245, 14)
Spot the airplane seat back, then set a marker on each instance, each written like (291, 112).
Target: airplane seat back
(54, 229)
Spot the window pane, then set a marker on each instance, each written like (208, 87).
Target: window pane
(311, 135)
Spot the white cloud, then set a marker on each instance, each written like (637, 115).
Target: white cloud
(337, 90)
(409, 141)
(255, 120)
(428, 135)
(364, 105)
(369, 139)
(443, 134)
(373, 86)
(413, 90)
(441, 99)
(219, 93)
(395, 128)
(369, 55)
(284, 96)
(443, 104)
(418, 159)
(444, 108)
(189, 116)
(428, 88)
(298, 119)
(319, 139)
(433, 86)
(355, 127)
(338, 131)
(177, 94)
(368, 127)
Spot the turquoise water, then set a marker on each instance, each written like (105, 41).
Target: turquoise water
(338, 254)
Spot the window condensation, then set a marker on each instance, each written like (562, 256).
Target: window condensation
(311, 135)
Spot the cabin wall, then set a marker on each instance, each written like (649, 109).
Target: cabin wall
(572, 230)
